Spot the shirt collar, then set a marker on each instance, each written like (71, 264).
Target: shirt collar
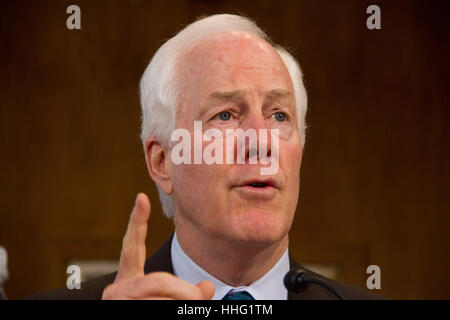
(268, 287)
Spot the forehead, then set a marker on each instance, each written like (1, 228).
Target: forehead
(230, 61)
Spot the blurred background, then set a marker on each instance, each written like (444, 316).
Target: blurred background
(375, 174)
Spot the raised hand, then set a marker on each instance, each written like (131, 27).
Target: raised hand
(132, 283)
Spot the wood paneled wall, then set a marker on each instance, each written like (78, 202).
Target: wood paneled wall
(375, 174)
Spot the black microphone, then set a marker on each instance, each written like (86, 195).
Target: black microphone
(297, 280)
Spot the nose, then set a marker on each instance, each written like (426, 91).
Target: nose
(254, 120)
(261, 147)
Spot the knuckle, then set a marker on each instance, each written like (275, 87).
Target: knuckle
(161, 275)
(125, 254)
(158, 279)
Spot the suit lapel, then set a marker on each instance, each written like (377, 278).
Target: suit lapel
(161, 260)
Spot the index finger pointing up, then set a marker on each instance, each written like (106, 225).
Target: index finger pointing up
(132, 257)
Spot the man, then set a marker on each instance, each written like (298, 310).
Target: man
(231, 221)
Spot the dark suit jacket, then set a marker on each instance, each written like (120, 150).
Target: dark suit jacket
(161, 261)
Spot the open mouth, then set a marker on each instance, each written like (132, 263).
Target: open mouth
(260, 189)
(258, 184)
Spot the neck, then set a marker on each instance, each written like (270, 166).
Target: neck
(233, 262)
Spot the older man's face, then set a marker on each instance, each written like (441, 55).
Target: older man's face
(230, 81)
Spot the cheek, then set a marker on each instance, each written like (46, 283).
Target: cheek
(291, 157)
(290, 163)
(197, 184)
(189, 178)
(188, 193)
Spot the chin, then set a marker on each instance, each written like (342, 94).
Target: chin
(259, 227)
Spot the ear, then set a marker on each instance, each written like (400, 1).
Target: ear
(158, 164)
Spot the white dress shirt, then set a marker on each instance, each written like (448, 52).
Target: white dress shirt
(268, 287)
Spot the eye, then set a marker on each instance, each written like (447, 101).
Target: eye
(279, 116)
(224, 116)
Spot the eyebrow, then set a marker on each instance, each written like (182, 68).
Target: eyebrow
(279, 93)
(230, 95)
(226, 95)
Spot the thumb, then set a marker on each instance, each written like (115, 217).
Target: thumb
(207, 288)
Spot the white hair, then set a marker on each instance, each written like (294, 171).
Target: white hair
(159, 88)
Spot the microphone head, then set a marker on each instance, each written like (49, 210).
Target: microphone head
(3, 265)
(296, 280)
